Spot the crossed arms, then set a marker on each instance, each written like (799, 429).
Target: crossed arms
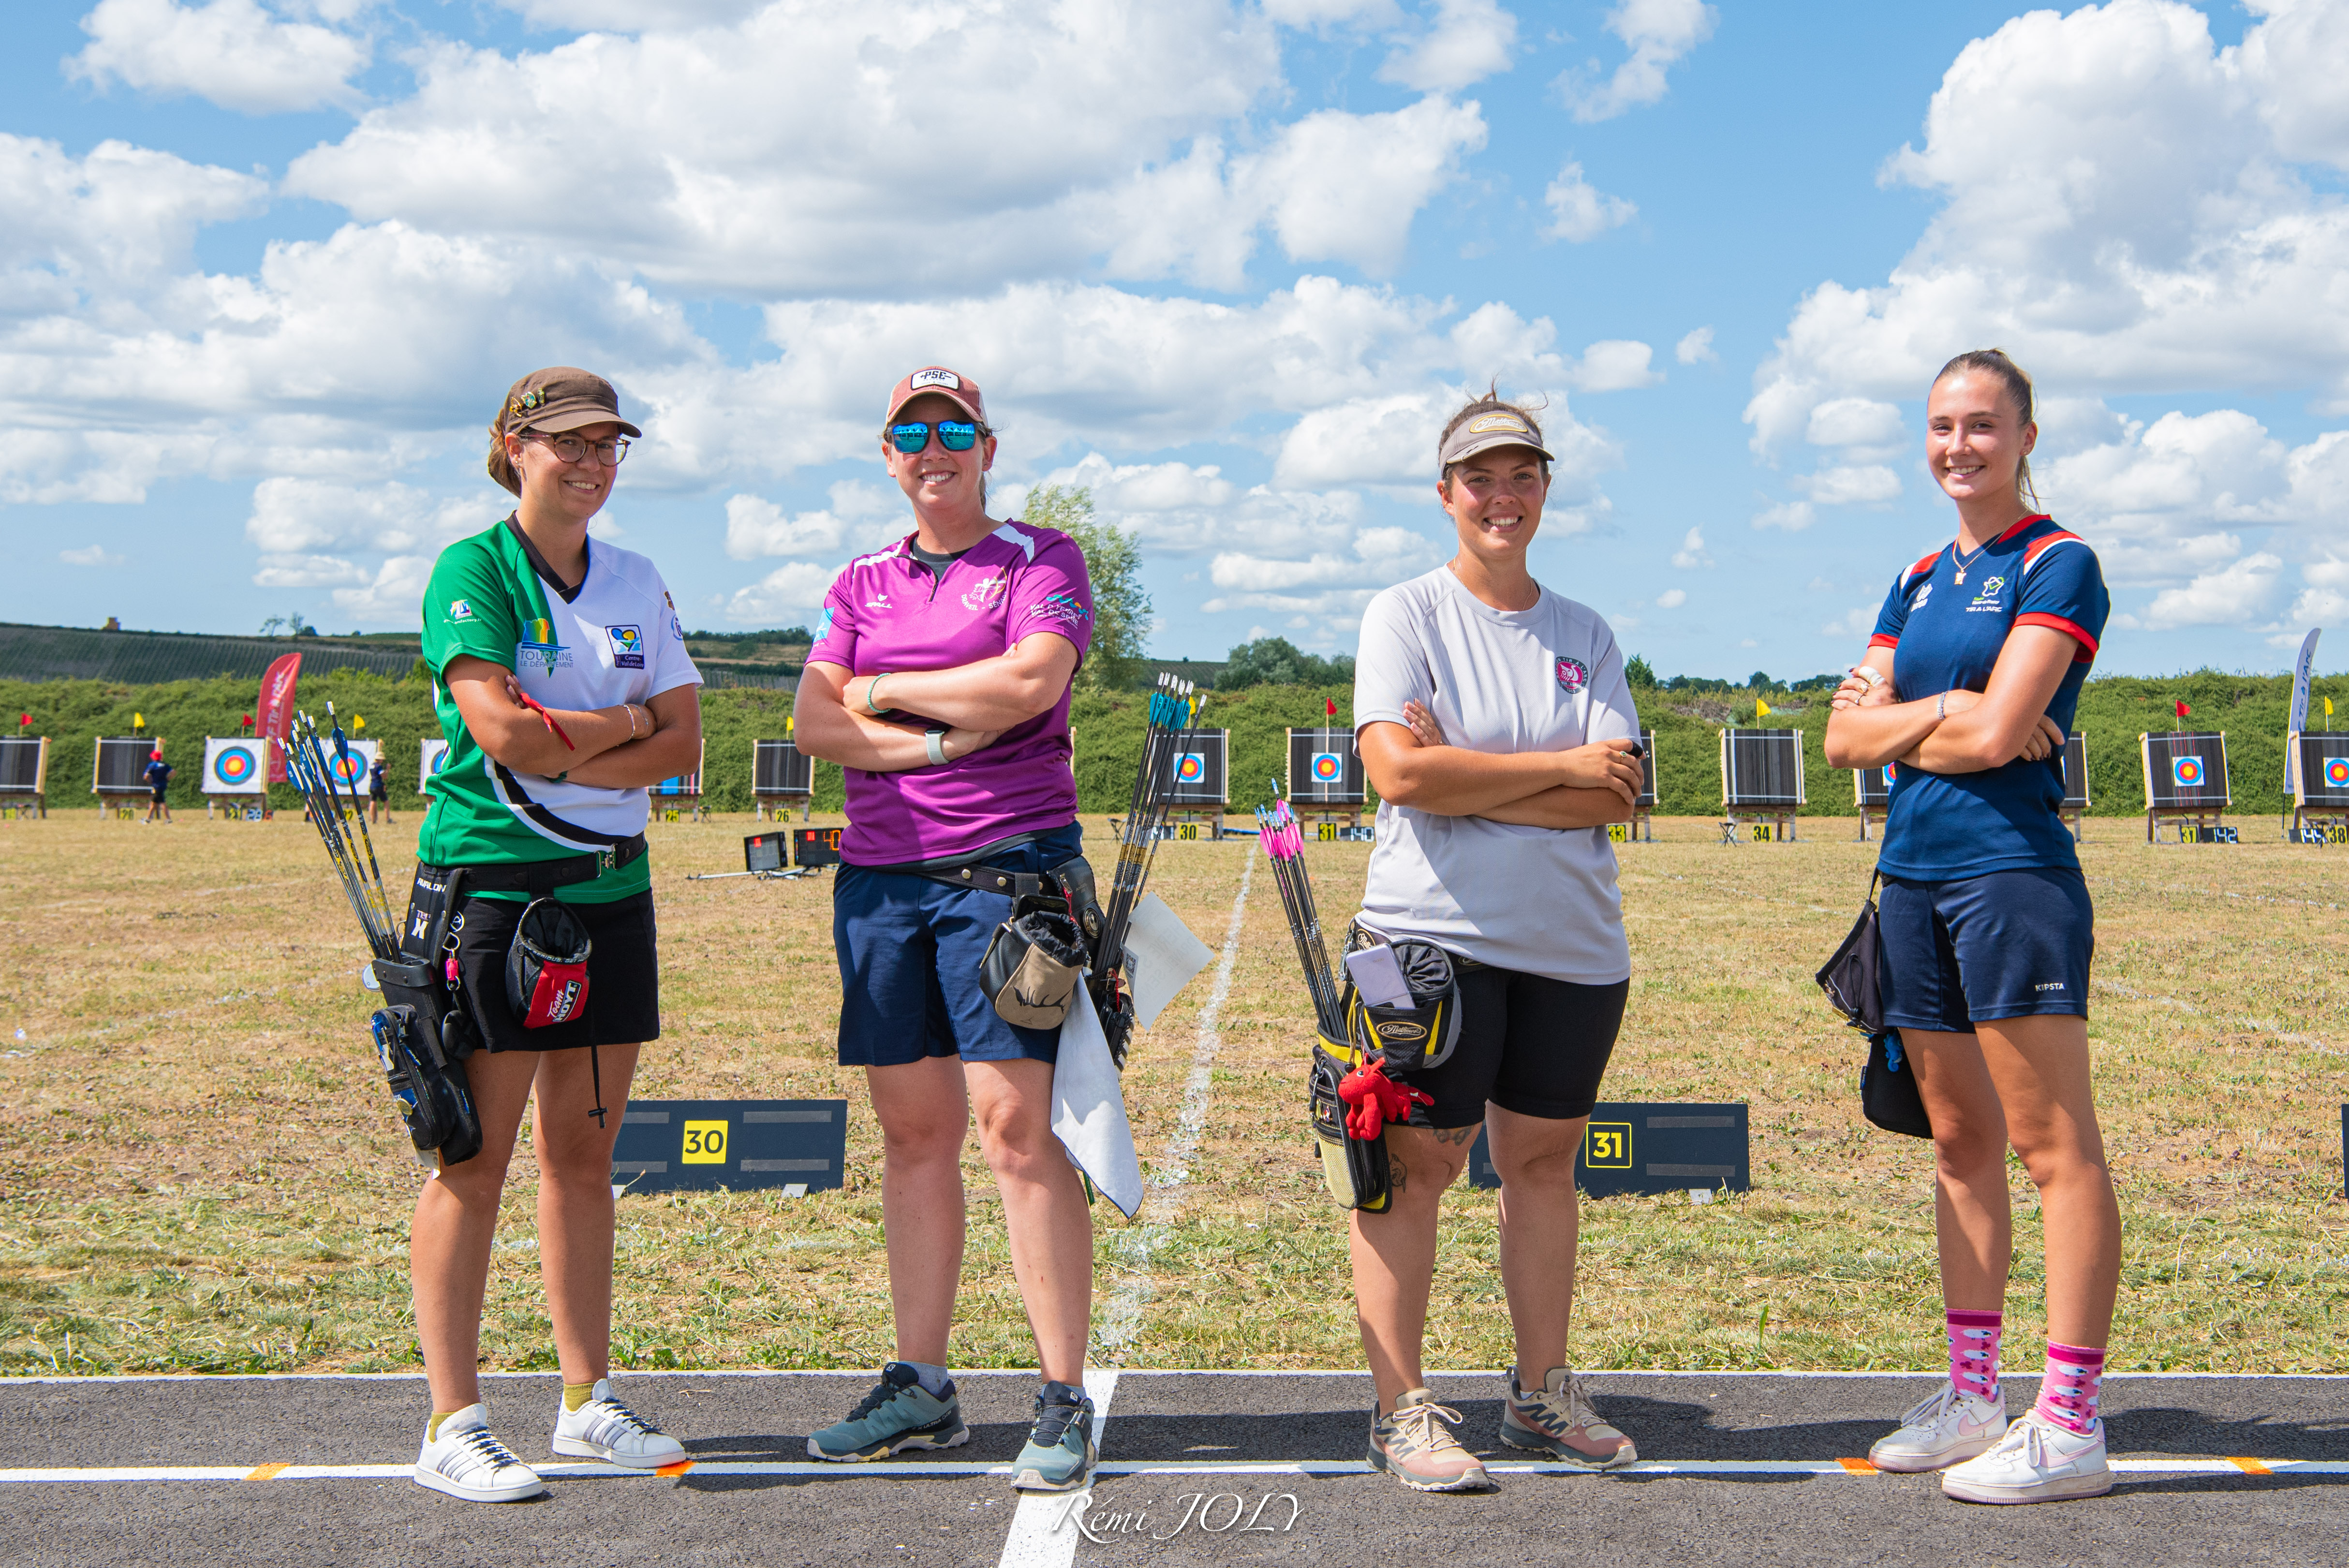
(1413, 765)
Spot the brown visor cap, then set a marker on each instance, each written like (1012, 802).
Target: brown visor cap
(1492, 428)
(560, 397)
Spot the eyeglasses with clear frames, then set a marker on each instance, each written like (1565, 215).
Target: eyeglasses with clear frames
(572, 449)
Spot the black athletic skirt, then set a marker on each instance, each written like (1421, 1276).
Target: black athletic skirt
(623, 975)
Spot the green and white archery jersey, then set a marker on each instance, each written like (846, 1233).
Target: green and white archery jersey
(616, 638)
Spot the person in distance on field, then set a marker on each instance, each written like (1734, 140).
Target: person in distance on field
(158, 774)
(1969, 685)
(1493, 715)
(563, 687)
(939, 680)
(379, 788)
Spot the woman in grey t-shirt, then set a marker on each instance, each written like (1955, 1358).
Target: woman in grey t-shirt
(1494, 717)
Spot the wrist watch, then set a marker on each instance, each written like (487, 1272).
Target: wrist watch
(936, 740)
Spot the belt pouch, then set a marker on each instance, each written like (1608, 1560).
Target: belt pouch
(1353, 1169)
(1422, 1035)
(1034, 964)
(546, 965)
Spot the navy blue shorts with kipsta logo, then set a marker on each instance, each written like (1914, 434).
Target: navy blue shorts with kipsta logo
(909, 953)
(2007, 944)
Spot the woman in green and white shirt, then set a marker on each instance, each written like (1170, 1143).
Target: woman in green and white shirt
(564, 687)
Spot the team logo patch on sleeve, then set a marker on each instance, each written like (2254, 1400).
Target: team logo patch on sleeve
(627, 646)
(824, 624)
(461, 609)
(1572, 676)
(1065, 608)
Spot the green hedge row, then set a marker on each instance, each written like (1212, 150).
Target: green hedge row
(1107, 729)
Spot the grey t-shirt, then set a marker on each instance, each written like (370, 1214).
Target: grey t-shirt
(1537, 899)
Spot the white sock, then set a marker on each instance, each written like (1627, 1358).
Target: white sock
(933, 1378)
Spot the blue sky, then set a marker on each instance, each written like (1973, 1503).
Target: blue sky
(272, 265)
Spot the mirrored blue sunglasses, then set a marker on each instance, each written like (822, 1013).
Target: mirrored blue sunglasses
(955, 435)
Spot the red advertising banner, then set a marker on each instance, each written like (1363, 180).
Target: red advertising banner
(276, 710)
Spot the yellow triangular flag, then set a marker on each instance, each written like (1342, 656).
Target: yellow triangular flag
(138, 721)
(787, 726)
(358, 722)
(1761, 709)
(2328, 707)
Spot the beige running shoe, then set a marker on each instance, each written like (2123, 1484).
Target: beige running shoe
(1557, 1419)
(1414, 1446)
(2036, 1461)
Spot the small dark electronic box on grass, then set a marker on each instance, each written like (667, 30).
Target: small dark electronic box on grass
(1649, 1147)
(684, 1146)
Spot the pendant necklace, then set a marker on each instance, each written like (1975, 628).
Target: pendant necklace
(1965, 561)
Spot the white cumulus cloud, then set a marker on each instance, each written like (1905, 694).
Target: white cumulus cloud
(231, 52)
(1463, 42)
(1696, 348)
(1579, 211)
(1671, 599)
(1658, 32)
(1693, 553)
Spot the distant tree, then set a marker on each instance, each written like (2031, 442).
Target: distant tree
(1113, 563)
(1761, 683)
(1276, 661)
(1637, 672)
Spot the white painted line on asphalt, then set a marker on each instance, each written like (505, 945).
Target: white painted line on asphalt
(62, 1380)
(929, 1470)
(1122, 1317)
(1039, 1538)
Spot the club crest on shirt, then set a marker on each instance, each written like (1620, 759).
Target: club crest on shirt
(627, 646)
(1988, 598)
(1918, 602)
(1572, 676)
(987, 594)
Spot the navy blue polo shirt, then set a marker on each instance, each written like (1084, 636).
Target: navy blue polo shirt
(1946, 635)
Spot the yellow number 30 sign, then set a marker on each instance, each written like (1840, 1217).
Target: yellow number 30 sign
(705, 1143)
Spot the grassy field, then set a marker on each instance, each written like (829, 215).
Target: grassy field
(199, 1170)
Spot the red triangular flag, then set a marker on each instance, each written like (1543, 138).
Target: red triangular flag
(2183, 709)
(1332, 706)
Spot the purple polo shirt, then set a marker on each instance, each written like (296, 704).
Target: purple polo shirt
(887, 611)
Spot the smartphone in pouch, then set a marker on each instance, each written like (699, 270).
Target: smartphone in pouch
(1378, 977)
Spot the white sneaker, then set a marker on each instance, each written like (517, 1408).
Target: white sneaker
(603, 1428)
(467, 1462)
(2036, 1461)
(1941, 1428)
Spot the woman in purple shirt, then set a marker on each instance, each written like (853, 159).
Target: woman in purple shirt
(939, 682)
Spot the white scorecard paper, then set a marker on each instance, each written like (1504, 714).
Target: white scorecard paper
(1161, 957)
(1089, 1109)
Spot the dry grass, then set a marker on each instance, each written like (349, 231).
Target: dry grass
(198, 1170)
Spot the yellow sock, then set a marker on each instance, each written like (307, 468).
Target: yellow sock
(432, 1431)
(575, 1395)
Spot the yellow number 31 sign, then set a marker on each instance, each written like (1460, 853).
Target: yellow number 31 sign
(705, 1143)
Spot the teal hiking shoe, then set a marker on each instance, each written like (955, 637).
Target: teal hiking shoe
(1060, 1454)
(899, 1414)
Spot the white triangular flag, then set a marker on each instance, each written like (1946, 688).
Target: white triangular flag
(1089, 1108)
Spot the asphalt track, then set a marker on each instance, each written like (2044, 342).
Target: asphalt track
(1744, 1469)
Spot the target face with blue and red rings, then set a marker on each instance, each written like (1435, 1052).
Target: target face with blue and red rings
(1329, 767)
(235, 765)
(350, 768)
(1191, 767)
(2336, 772)
(2186, 770)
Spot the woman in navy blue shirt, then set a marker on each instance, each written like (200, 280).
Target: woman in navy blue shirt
(1969, 687)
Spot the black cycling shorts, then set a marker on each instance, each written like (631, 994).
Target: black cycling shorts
(622, 976)
(1528, 1043)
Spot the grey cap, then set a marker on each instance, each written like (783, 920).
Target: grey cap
(1493, 427)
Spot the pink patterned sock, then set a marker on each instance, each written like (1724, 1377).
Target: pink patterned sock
(1974, 1352)
(2068, 1394)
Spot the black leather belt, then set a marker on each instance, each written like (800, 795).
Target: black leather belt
(993, 879)
(540, 878)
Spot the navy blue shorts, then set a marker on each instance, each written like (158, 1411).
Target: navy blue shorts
(909, 953)
(2008, 944)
